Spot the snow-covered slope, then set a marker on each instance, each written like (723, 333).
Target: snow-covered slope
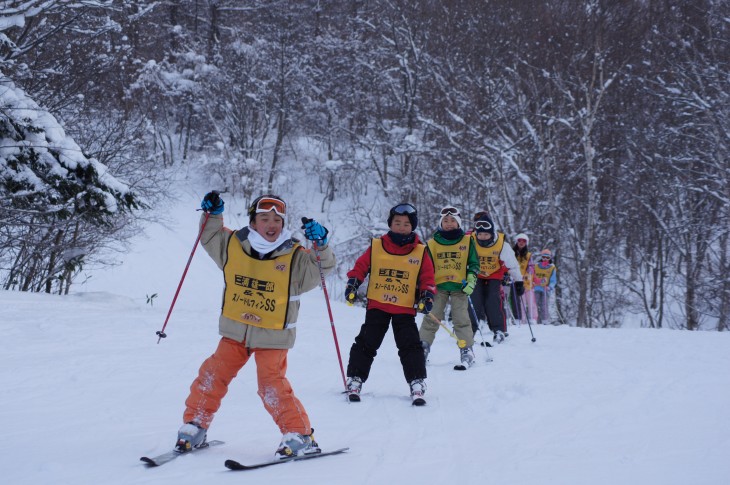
(86, 391)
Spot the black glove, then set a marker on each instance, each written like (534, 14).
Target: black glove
(212, 203)
(519, 288)
(351, 290)
(425, 304)
(506, 280)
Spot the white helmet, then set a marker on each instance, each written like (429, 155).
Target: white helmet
(522, 235)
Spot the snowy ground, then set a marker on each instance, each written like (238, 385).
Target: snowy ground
(86, 391)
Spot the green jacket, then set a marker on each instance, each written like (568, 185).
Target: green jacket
(472, 263)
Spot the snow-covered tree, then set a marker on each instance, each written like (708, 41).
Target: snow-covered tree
(56, 204)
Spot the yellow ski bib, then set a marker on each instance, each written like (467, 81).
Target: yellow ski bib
(257, 291)
(489, 257)
(450, 261)
(544, 274)
(524, 263)
(394, 277)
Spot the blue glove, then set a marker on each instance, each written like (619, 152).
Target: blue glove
(425, 304)
(314, 231)
(212, 203)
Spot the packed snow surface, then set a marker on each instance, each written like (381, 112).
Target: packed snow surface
(87, 390)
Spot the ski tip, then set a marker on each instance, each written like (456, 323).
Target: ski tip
(233, 465)
(419, 402)
(148, 461)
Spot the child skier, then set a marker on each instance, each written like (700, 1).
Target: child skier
(545, 282)
(495, 259)
(456, 267)
(265, 270)
(527, 268)
(401, 277)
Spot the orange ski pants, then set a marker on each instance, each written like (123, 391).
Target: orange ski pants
(276, 393)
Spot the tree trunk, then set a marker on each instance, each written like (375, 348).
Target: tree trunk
(280, 127)
(690, 300)
(723, 321)
(51, 271)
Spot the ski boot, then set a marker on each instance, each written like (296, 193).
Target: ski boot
(293, 444)
(190, 436)
(354, 386)
(418, 389)
(499, 336)
(467, 357)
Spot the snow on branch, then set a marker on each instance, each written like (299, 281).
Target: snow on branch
(39, 161)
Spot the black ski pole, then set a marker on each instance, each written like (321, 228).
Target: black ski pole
(524, 310)
(485, 344)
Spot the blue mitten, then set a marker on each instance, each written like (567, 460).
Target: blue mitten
(314, 231)
(212, 203)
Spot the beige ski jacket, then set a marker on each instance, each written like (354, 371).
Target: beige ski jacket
(305, 276)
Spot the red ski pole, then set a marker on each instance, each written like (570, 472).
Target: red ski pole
(329, 309)
(161, 333)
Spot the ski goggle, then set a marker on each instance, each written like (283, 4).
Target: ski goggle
(450, 211)
(268, 204)
(403, 209)
(483, 225)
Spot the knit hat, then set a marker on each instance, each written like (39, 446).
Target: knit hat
(484, 224)
(522, 235)
(450, 211)
(404, 209)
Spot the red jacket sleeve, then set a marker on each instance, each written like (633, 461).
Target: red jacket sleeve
(362, 266)
(427, 279)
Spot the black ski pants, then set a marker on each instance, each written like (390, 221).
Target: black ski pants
(372, 333)
(487, 299)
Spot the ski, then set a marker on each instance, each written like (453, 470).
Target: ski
(419, 401)
(234, 465)
(171, 455)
